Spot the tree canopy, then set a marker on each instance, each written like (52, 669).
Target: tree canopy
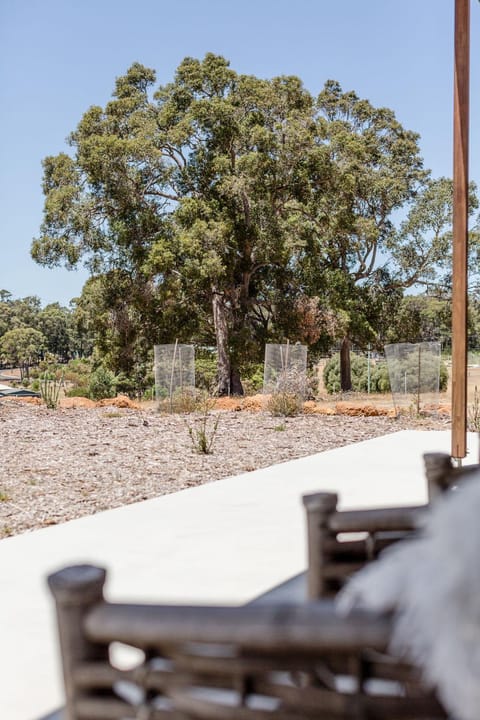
(234, 210)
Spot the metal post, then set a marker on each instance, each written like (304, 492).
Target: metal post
(460, 228)
(368, 369)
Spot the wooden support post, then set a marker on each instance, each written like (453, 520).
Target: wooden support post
(460, 228)
(75, 590)
(319, 507)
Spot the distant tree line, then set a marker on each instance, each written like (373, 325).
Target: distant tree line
(30, 332)
(232, 211)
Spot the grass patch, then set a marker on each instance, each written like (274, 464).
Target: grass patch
(285, 404)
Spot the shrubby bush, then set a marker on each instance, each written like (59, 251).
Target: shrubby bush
(206, 371)
(311, 386)
(102, 384)
(34, 372)
(380, 379)
(359, 371)
(285, 404)
(76, 371)
(405, 372)
(78, 391)
(379, 374)
(206, 374)
(252, 378)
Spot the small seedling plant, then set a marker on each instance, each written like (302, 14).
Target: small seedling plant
(203, 430)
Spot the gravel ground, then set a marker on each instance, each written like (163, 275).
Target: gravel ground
(61, 464)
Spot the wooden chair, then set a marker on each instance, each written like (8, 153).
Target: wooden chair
(294, 662)
(341, 542)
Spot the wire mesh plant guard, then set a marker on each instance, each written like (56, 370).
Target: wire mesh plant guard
(174, 375)
(414, 372)
(285, 370)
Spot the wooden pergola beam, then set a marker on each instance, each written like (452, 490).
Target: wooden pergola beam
(460, 228)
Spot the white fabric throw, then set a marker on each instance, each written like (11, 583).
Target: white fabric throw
(433, 586)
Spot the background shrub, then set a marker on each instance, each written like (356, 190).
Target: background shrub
(359, 369)
(379, 376)
(78, 391)
(102, 384)
(205, 370)
(252, 378)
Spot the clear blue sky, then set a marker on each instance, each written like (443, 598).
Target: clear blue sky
(58, 57)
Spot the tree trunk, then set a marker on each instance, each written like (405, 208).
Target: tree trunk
(221, 335)
(236, 387)
(345, 370)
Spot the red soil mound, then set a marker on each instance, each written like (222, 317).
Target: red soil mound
(251, 402)
(121, 401)
(343, 408)
(76, 402)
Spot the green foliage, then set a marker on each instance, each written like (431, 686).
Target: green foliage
(16, 313)
(138, 383)
(78, 391)
(22, 347)
(422, 246)
(76, 376)
(379, 375)
(149, 394)
(205, 370)
(331, 374)
(102, 384)
(53, 321)
(379, 378)
(231, 210)
(77, 371)
(418, 373)
(252, 378)
(420, 317)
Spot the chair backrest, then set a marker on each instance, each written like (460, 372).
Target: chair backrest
(340, 543)
(290, 662)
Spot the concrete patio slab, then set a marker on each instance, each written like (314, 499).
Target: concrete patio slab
(224, 542)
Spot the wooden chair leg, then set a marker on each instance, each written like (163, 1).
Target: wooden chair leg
(439, 472)
(76, 590)
(319, 507)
